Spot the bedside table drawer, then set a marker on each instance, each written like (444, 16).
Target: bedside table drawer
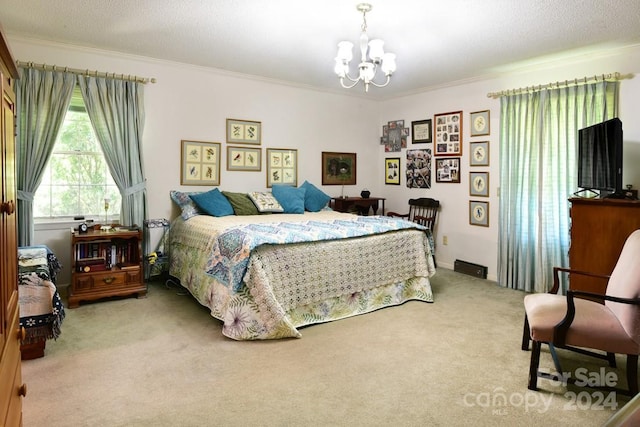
(109, 279)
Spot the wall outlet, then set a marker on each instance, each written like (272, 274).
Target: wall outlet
(445, 240)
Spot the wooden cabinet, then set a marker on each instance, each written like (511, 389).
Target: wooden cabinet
(11, 387)
(599, 228)
(105, 264)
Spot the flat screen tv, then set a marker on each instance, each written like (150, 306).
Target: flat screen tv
(600, 159)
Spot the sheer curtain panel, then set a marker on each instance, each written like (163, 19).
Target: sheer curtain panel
(538, 145)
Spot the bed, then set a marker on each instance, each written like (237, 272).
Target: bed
(266, 276)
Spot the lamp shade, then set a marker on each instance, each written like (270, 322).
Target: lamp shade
(388, 63)
(345, 51)
(376, 51)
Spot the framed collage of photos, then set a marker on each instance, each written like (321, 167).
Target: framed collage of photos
(448, 170)
(200, 163)
(448, 134)
(394, 136)
(282, 166)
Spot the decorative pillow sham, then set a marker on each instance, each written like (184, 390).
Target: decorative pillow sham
(185, 203)
(265, 202)
(242, 204)
(314, 198)
(291, 198)
(213, 202)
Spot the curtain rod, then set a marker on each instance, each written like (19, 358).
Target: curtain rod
(560, 84)
(94, 73)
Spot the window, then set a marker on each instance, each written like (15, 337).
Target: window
(76, 180)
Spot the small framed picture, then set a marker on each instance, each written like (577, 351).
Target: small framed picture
(282, 166)
(447, 129)
(479, 184)
(479, 213)
(479, 154)
(392, 171)
(421, 131)
(200, 163)
(479, 123)
(244, 132)
(244, 159)
(338, 168)
(448, 170)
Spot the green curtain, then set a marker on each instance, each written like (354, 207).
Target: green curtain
(116, 110)
(42, 100)
(538, 145)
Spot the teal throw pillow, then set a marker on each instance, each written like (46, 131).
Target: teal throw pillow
(242, 204)
(314, 198)
(290, 198)
(213, 202)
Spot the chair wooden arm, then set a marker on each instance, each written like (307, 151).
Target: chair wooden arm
(560, 330)
(556, 276)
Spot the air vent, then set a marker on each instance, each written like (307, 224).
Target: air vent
(470, 268)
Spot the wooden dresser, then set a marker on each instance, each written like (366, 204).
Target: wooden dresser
(11, 387)
(599, 228)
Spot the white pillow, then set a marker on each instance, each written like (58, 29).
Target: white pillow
(265, 202)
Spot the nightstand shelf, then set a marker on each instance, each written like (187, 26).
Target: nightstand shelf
(105, 264)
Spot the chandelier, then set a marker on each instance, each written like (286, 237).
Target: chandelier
(367, 68)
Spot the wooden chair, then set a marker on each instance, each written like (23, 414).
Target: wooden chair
(581, 322)
(423, 211)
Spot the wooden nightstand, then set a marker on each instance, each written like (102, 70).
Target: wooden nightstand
(105, 264)
(358, 205)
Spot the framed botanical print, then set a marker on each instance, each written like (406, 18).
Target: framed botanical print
(447, 129)
(244, 132)
(244, 159)
(200, 163)
(479, 153)
(480, 123)
(479, 184)
(421, 131)
(338, 168)
(282, 166)
(392, 171)
(479, 213)
(448, 170)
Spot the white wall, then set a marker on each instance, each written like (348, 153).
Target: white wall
(193, 103)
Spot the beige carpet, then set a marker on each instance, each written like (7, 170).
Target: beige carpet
(162, 361)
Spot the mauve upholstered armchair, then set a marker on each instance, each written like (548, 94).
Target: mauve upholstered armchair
(581, 322)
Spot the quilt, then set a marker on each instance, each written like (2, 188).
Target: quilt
(41, 308)
(284, 286)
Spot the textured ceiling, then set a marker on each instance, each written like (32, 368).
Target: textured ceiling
(436, 43)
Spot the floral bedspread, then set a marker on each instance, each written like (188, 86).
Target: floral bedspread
(286, 286)
(232, 248)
